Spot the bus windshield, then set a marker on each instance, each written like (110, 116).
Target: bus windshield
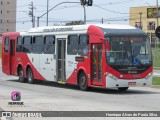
(129, 50)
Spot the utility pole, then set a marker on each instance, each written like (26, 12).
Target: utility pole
(84, 14)
(140, 22)
(47, 11)
(157, 14)
(31, 14)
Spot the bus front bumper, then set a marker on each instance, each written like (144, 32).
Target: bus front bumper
(113, 82)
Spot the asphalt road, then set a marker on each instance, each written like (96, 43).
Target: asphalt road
(49, 96)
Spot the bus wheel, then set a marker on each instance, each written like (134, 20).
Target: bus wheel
(30, 77)
(21, 75)
(83, 82)
(123, 88)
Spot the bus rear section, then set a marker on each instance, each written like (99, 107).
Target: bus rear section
(8, 53)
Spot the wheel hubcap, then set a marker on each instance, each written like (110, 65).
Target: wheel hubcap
(83, 81)
(30, 76)
(21, 75)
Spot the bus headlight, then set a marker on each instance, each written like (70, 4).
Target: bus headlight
(149, 75)
(112, 76)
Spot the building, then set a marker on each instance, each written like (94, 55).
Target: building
(145, 17)
(7, 16)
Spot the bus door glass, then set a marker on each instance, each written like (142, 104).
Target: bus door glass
(96, 64)
(12, 55)
(61, 58)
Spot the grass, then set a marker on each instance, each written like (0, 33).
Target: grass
(156, 57)
(0, 50)
(156, 81)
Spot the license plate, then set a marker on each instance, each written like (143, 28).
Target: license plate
(131, 83)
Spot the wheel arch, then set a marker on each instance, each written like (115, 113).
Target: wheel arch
(22, 76)
(27, 67)
(18, 67)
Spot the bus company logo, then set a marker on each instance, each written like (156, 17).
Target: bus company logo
(16, 96)
(47, 61)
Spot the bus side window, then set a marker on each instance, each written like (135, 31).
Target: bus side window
(37, 44)
(19, 44)
(72, 47)
(6, 44)
(49, 44)
(27, 41)
(83, 45)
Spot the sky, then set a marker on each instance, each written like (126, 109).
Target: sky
(112, 11)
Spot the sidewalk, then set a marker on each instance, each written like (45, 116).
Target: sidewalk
(155, 86)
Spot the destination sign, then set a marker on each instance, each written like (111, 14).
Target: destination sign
(127, 39)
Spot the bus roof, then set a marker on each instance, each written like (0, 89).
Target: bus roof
(108, 29)
(77, 28)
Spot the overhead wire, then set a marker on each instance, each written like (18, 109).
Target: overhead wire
(120, 2)
(99, 6)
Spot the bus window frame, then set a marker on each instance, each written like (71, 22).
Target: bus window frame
(36, 47)
(49, 45)
(69, 44)
(21, 45)
(86, 46)
(30, 51)
(6, 45)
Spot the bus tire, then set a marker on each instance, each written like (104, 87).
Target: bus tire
(30, 77)
(21, 75)
(121, 89)
(83, 85)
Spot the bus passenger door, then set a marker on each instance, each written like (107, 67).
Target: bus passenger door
(96, 64)
(8, 56)
(61, 59)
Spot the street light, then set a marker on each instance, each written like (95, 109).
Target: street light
(52, 9)
(47, 10)
(84, 14)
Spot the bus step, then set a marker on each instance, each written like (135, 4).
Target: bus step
(95, 86)
(61, 82)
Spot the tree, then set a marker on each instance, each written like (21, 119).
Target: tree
(75, 23)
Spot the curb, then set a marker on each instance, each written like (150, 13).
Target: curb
(155, 86)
